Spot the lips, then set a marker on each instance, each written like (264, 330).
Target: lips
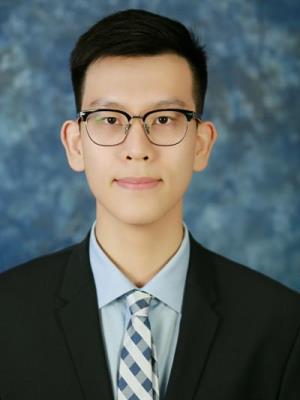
(137, 180)
(138, 183)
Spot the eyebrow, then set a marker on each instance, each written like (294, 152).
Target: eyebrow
(104, 102)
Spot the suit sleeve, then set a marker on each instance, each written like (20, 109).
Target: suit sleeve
(290, 386)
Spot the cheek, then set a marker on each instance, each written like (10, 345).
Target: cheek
(96, 165)
(180, 166)
(183, 159)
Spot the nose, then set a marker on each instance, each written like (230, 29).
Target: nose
(137, 145)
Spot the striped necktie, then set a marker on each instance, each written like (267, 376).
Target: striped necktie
(138, 376)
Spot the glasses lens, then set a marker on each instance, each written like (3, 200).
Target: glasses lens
(106, 128)
(166, 127)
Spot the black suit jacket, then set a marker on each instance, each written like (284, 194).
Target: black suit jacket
(239, 334)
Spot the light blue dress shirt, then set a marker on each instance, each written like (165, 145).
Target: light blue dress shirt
(167, 287)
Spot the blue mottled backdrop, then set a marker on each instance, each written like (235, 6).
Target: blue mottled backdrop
(245, 205)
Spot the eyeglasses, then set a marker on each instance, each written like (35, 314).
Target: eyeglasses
(163, 127)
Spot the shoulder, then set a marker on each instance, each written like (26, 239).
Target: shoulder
(36, 276)
(245, 290)
(243, 279)
(34, 265)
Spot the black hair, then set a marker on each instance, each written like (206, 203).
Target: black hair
(138, 32)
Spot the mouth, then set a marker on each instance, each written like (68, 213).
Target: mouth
(138, 183)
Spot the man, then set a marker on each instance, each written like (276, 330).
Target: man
(139, 309)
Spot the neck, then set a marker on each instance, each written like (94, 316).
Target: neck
(140, 250)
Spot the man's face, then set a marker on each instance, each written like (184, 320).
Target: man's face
(137, 85)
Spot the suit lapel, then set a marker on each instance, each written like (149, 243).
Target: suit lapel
(198, 326)
(80, 322)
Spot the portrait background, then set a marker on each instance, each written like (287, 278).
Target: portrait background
(244, 206)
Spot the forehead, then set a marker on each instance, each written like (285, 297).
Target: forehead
(138, 82)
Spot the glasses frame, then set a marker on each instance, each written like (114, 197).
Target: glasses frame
(83, 115)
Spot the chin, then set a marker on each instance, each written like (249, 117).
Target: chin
(138, 217)
(139, 220)
(135, 214)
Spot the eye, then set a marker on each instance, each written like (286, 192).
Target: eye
(110, 120)
(107, 120)
(163, 120)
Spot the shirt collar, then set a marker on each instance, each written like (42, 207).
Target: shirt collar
(167, 285)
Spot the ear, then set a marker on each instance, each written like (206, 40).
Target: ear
(71, 139)
(206, 136)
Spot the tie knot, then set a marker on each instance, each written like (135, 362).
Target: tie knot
(138, 303)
